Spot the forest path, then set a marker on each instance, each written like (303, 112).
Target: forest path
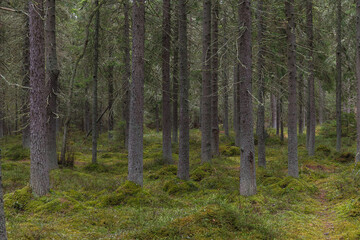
(326, 216)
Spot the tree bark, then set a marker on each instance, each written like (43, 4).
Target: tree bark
(261, 106)
(247, 149)
(135, 146)
(301, 104)
(321, 104)
(3, 235)
(206, 85)
(226, 81)
(311, 85)
(183, 165)
(95, 83)
(166, 89)
(273, 107)
(39, 167)
(293, 167)
(358, 80)
(110, 95)
(338, 76)
(52, 73)
(26, 83)
(175, 86)
(214, 80)
(237, 103)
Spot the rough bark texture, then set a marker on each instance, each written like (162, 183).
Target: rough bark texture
(39, 167)
(321, 104)
(95, 83)
(247, 149)
(293, 167)
(3, 235)
(226, 81)
(26, 83)
(338, 76)
(127, 74)
(214, 80)
(166, 85)
(273, 107)
(52, 73)
(358, 80)
(261, 82)
(311, 85)
(175, 77)
(236, 114)
(110, 78)
(183, 165)
(87, 116)
(301, 104)
(206, 84)
(135, 147)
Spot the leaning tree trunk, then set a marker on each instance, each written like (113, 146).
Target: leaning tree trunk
(261, 106)
(214, 80)
(206, 85)
(338, 76)
(26, 83)
(166, 103)
(52, 73)
(135, 147)
(358, 79)
(247, 149)
(311, 85)
(3, 235)
(39, 167)
(175, 86)
(293, 167)
(95, 83)
(183, 165)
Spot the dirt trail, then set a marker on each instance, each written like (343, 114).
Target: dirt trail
(326, 215)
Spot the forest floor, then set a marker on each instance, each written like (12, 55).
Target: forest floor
(96, 202)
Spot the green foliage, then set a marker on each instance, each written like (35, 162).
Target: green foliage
(96, 167)
(18, 200)
(346, 157)
(229, 151)
(17, 152)
(348, 127)
(324, 150)
(288, 185)
(201, 172)
(166, 171)
(177, 186)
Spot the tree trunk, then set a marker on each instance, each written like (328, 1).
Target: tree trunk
(358, 80)
(39, 167)
(111, 95)
(206, 85)
(247, 149)
(226, 81)
(166, 102)
(175, 87)
(261, 106)
(135, 146)
(214, 80)
(87, 124)
(301, 104)
(273, 107)
(321, 104)
(293, 167)
(338, 76)
(52, 73)
(127, 74)
(3, 235)
(183, 165)
(237, 104)
(311, 85)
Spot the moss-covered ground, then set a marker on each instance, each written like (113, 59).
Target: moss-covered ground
(96, 202)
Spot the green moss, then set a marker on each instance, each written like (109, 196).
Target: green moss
(96, 167)
(19, 199)
(202, 172)
(165, 171)
(289, 185)
(59, 205)
(177, 186)
(345, 157)
(355, 208)
(229, 151)
(17, 152)
(325, 150)
(107, 155)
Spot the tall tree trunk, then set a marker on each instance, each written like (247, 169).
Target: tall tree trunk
(135, 146)
(214, 80)
(183, 165)
(95, 83)
(261, 106)
(166, 85)
(301, 104)
(237, 103)
(311, 85)
(247, 149)
(175, 86)
(127, 74)
(3, 235)
(226, 81)
(87, 124)
(293, 167)
(206, 85)
(273, 107)
(321, 104)
(39, 167)
(52, 73)
(110, 95)
(338, 76)
(358, 80)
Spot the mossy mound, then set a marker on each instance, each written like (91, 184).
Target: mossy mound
(128, 193)
(96, 167)
(106, 155)
(202, 172)
(287, 185)
(325, 150)
(169, 170)
(355, 208)
(57, 205)
(177, 186)
(229, 151)
(345, 157)
(18, 200)
(220, 182)
(17, 152)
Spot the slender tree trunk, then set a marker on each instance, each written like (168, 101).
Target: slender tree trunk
(301, 104)
(273, 110)
(338, 76)
(358, 80)
(127, 74)
(237, 104)
(261, 106)
(183, 165)
(3, 235)
(52, 73)
(175, 87)
(157, 117)
(226, 81)
(135, 146)
(214, 80)
(166, 85)
(39, 167)
(311, 85)
(293, 167)
(321, 104)
(87, 124)
(247, 149)
(111, 95)
(206, 85)
(95, 83)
